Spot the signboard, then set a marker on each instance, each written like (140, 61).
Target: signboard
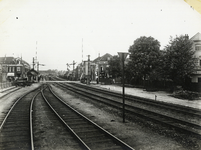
(10, 74)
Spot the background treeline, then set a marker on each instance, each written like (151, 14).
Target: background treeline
(152, 68)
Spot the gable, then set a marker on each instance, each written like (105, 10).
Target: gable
(196, 37)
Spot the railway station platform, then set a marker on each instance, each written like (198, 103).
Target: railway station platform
(158, 95)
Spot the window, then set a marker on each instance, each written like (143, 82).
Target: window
(18, 69)
(198, 47)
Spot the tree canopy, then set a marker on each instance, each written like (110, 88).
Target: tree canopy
(179, 59)
(114, 66)
(144, 54)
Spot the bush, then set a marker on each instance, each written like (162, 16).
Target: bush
(187, 95)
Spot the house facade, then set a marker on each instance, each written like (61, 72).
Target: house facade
(196, 76)
(11, 67)
(96, 68)
(101, 67)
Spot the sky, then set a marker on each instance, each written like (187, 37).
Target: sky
(58, 32)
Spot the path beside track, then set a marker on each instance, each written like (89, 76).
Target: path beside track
(160, 95)
(157, 95)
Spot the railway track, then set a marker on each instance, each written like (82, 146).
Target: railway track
(183, 119)
(16, 128)
(40, 120)
(89, 134)
(49, 130)
(9, 91)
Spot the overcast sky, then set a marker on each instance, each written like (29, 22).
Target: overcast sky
(55, 28)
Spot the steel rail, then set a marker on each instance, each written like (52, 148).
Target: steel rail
(147, 101)
(10, 110)
(175, 107)
(31, 120)
(117, 102)
(148, 113)
(162, 105)
(105, 131)
(16, 108)
(11, 91)
(80, 140)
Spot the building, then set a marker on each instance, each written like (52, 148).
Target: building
(101, 67)
(94, 69)
(196, 76)
(11, 68)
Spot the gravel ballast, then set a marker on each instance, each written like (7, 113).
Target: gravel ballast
(135, 135)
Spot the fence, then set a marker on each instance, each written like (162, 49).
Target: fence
(5, 85)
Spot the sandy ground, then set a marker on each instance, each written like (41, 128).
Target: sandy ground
(137, 136)
(133, 133)
(158, 95)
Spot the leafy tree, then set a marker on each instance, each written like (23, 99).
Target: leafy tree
(179, 59)
(144, 54)
(114, 66)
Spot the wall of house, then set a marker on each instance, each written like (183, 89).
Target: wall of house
(197, 49)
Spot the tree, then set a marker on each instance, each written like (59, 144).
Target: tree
(179, 59)
(144, 54)
(114, 66)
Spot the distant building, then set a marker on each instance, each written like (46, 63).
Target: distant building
(98, 66)
(101, 65)
(11, 67)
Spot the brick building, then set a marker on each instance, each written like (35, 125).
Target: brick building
(11, 67)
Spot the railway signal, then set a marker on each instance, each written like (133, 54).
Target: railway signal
(68, 65)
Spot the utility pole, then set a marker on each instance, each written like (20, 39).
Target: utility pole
(33, 63)
(123, 56)
(88, 76)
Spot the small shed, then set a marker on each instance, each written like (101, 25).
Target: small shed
(33, 75)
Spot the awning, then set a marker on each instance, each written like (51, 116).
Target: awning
(10, 74)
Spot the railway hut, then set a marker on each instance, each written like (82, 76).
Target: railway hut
(33, 75)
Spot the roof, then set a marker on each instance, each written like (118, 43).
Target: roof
(196, 37)
(12, 60)
(7, 60)
(32, 72)
(103, 58)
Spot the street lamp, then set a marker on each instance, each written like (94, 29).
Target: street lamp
(123, 56)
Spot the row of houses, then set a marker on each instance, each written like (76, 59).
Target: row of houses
(99, 66)
(91, 69)
(13, 68)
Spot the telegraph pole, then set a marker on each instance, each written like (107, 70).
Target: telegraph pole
(123, 56)
(88, 79)
(33, 63)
